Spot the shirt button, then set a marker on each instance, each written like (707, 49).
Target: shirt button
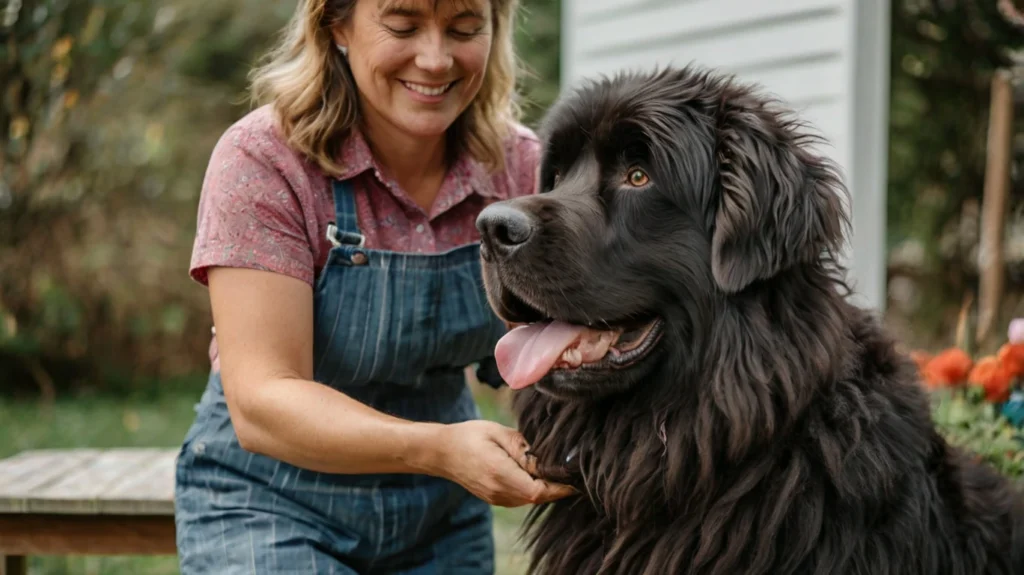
(359, 258)
(419, 228)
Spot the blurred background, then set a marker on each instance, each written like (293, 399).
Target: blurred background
(109, 110)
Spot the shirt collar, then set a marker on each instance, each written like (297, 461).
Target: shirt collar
(466, 176)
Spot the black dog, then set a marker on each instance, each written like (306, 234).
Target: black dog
(693, 366)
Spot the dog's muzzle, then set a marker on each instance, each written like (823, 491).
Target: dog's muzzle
(504, 229)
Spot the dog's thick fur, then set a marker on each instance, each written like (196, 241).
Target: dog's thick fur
(775, 430)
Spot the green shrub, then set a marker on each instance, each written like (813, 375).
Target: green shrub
(967, 420)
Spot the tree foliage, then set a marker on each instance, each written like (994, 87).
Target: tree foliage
(110, 109)
(943, 55)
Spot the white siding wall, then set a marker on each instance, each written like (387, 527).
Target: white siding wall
(826, 58)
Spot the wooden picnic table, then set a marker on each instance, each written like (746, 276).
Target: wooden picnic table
(86, 502)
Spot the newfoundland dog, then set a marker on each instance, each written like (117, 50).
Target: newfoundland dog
(689, 361)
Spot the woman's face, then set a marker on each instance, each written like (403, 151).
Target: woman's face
(418, 63)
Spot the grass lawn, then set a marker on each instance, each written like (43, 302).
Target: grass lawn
(160, 420)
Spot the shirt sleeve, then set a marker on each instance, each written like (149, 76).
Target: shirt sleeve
(527, 172)
(249, 216)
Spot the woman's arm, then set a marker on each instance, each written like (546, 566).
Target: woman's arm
(264, 336)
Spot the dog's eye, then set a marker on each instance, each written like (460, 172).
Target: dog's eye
(637, 178)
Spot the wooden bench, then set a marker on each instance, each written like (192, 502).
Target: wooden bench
(86, 502)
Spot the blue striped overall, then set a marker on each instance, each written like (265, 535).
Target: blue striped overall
(395, 331)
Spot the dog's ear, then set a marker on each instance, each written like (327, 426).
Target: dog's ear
(780, 203)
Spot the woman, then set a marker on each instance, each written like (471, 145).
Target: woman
(336, 235)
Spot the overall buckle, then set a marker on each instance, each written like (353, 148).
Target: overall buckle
(338, 238)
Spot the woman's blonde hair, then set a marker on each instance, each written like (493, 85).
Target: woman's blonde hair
(309, 84)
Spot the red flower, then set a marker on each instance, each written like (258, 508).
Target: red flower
(1011, 355)
(947, 369)
(993, 376)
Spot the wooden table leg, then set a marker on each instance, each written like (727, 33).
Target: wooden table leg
(15, 565)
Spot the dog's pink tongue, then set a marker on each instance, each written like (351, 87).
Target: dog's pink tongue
(527, 352)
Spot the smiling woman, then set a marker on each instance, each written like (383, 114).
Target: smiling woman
(427, 97)
(393, 50)
(336, 235)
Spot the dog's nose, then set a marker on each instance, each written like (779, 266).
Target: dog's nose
(504, 228)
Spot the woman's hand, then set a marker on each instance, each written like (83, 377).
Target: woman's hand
(491, 461)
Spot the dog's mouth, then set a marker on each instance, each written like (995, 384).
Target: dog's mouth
(531, 350)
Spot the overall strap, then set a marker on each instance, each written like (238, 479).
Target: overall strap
(345, 227)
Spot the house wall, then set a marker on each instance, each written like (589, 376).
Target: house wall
(826, 58)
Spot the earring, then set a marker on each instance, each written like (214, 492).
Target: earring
(342, 49)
